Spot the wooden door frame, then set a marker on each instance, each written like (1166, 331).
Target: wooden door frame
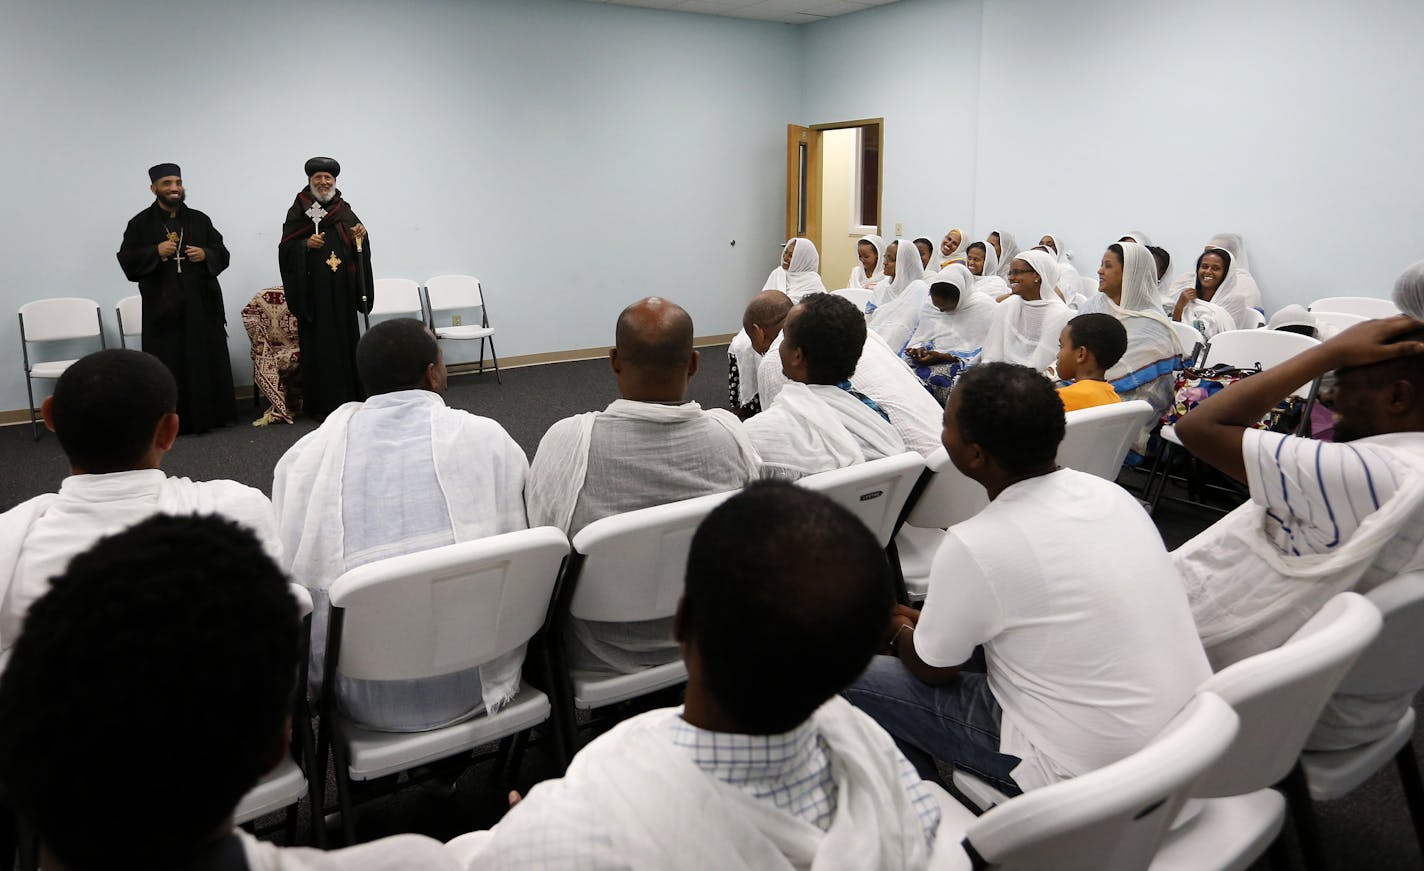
(813, 175)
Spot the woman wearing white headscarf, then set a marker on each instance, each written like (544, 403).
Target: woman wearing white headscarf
(1069, 282)
(799, 274)
(868, 249)
(1137, 236)
(894, 310)
(983, 263)
(1244, 283)
(797, 277)
(1226, 288)
(1409, 291)
(1127, 281)
(1026, 326)
(953, 323)
(951, 248)
(1006, 247)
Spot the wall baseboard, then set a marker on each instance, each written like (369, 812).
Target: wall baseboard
(244, 391)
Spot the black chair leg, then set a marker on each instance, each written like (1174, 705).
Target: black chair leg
(341, 763)
(897, 573)
(1408, 766)
(1302, 812)
(495, 357)
(34, 414)
(482, 356)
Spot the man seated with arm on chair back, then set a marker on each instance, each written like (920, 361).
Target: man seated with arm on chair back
(115, 415)
(399, 473)
(1064, 580)
(152, 690)
(1323, 517)
(818, 421)
(787, 595)
(650, 447)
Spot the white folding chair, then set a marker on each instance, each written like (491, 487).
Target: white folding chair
(1393, 666)
(877, 493)
(626, 568)
(1096, 440)
(1109, 819)
(943, 497)
(454, 292)
(286, 784)
(1279, 695)
(1364, 306)
(130, 314)
(424, 615)
(1329, 323)
(54, 320)
(398, 297)
(859, 296)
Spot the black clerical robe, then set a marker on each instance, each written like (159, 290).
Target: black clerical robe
(184, 324)
(324, 289)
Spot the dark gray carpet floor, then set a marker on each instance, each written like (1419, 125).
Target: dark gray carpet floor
(1368, 829)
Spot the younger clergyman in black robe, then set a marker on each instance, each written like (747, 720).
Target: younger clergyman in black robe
(324, 289)
(184, 323)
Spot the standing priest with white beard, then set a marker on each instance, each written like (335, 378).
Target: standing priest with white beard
(327, 281)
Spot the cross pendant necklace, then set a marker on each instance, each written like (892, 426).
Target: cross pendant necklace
(176, 238)
(333, 261)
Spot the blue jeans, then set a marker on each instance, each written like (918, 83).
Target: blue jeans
(957, 723)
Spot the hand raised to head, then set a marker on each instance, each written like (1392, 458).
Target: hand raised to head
(1375, 341)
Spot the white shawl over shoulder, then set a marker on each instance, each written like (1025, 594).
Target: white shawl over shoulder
(657, 810)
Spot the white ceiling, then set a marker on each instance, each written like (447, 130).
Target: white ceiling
(787, 11)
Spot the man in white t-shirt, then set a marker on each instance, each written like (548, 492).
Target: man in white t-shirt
(1323, 517)
(1087, 637)
(115, 415)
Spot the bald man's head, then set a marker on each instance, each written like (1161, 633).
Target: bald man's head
(763, 318)
(654, 335)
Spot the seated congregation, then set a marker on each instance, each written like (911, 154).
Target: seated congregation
(821, 718)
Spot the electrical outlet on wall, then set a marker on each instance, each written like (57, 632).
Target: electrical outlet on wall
(455, 320)
(899, 229)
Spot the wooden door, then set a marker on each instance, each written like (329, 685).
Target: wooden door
(803, 183)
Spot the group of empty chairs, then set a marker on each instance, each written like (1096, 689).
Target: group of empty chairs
(403, 297)
(75, 319)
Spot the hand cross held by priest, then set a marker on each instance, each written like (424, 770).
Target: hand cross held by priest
(324, 279)
(175, 254)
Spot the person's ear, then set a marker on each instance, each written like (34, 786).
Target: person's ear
(1402, 398)
(613, 361)
(1081, 354)
(756, 334)
(679, 622)
(47, 412)
(693, 362)
(166, 433)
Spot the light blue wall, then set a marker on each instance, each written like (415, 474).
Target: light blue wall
(574, 156)
(1292, 123)
(916, 64)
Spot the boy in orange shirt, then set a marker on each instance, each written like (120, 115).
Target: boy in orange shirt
(1088, 347)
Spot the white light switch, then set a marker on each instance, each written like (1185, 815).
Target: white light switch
(899, 229)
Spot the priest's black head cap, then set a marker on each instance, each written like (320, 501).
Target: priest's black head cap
(323, 164)
(163, 170)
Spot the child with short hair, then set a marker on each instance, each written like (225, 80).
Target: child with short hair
(1087, 348)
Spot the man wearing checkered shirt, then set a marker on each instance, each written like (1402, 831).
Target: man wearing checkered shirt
(764, 767)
